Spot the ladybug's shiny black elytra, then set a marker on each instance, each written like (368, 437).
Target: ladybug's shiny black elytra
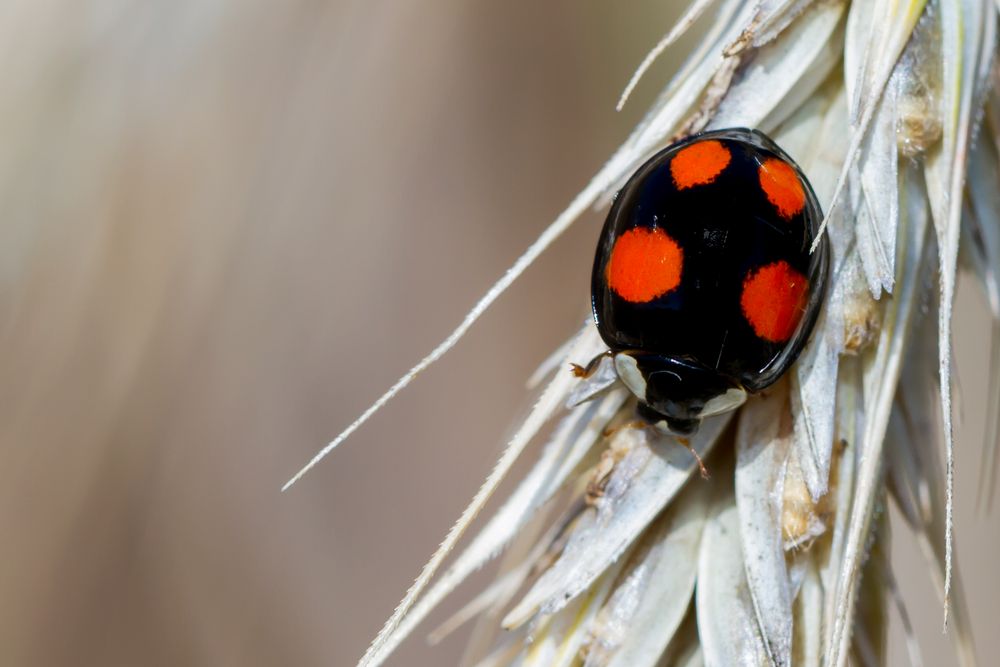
(704, 288)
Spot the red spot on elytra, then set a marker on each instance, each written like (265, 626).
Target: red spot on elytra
(699, 163)
(782, 186)
(645, 263)
(773, 300)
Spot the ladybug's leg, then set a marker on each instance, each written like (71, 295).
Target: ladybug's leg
(635, 423)
(643, 423)
(595, 378)
(609, 458)
(588, 370)
(701, 465)
(678, 428)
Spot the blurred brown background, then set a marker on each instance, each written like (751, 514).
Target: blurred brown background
(226, 228)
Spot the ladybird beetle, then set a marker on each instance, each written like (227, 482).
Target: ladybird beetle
(704, 288)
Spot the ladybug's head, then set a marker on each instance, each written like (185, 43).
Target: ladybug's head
(676, 391)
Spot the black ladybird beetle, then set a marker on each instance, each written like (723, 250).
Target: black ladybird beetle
(704, 288)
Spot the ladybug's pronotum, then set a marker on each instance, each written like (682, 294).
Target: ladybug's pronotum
(704, 288)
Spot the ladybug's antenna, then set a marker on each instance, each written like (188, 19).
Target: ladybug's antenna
(551, 233)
